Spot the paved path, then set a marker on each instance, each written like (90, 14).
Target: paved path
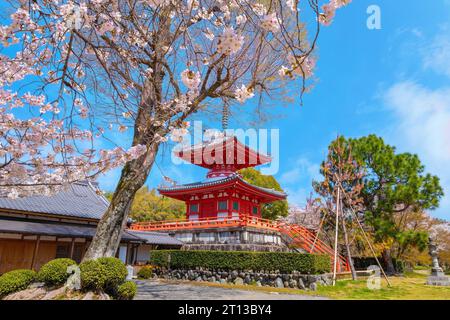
(167, 290)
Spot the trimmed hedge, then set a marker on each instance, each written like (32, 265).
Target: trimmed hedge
(54, 272)
(242, 260)
(16, 280)
(126, 291)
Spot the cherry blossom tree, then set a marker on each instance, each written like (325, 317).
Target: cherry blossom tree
(87, 69)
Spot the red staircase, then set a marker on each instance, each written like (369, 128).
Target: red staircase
(307, 240)
(299, 236)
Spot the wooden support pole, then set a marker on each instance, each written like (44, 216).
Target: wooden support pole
(317, 233)
(72, 247)
(366, 238)
(127, 256)
(336, 237)
(35, 252)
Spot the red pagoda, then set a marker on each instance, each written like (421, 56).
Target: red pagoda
(224, 193)
(223, 212)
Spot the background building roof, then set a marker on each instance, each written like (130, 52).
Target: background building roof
(56, 229)
(156, 237)
(80, 199)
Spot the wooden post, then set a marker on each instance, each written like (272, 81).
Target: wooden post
(127, 256)
(35, 252)
(336, 236)
(366, 238)
(72, 247)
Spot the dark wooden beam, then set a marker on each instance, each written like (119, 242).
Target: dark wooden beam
(72, 247)
(35, 252)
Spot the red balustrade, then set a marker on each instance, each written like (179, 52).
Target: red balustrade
(301, 236)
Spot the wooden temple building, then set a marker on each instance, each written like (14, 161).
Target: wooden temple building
(223, 212)
(37, 229)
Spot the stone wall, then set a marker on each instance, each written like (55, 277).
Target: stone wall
(260, 278)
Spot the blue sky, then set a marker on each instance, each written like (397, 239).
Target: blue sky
(394, 82)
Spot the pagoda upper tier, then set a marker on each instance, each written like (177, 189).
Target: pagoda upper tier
(222, 156)
(224, 193)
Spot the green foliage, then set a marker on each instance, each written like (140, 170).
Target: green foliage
(54, 272)
(102, 274)
(393, 182)
(146, 272)
(93, 275)
(271, 210)
(240, 260)
(16, 280)
(394, 187)
(149, 206)
(418, 239)
(127, 290)
(115, 272)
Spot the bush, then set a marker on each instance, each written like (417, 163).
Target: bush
(93, 275)
(241, 260)
(55, 272)
(15, 281)
(126, 291)
(115, 272)
(102, 274)
(146, 272)
(362, 263)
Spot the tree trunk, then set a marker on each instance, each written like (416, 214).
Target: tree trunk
(387, 258)
(347, 249)
(109, 230)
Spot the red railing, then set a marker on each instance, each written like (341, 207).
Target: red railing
(300, 236)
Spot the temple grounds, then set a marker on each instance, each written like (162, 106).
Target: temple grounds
(411, 286)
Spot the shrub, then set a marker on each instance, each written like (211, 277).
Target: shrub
(15, 281)
(93, 275)
(102, 274)
(115, 272)
(55, 272)
(126, 291)
(241, 260)
(145, 272)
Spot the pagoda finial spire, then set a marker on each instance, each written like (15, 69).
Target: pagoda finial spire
(225, 114)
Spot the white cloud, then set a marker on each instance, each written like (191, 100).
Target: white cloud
(297, 196)
(296, 182)
(303, 168)
(437, 55)
(422, 126)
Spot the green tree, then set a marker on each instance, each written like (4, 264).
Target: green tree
(271, 210)
(394, 183)
(148, 205)
(341, 172)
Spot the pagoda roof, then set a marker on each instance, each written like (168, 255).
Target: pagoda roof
(212, 184)
(223, 151)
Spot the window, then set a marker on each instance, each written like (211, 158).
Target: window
(235, 205)
(223, 205)
(193, 208)
(255, 210)
(62, 251)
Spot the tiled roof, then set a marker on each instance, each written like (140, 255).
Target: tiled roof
(56, 229)
(80, 199)
(156, 237)
(218, 181)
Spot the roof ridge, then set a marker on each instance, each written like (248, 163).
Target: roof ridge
(100, 194)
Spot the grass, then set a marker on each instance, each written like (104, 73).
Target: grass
(409, 287)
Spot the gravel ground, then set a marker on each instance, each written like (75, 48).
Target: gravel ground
(167, 290)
